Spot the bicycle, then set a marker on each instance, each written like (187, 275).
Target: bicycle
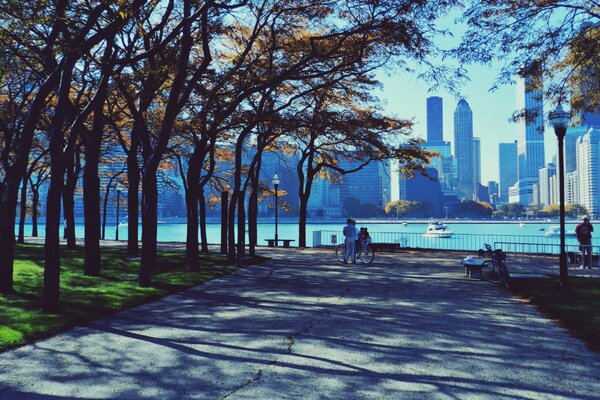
(364, 253)
(494, 270)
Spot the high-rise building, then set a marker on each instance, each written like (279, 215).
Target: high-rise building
(530, 137)
(442, 163)
(492, 188)
(435, 119)
(588, 170)
(463, 149)
(545, 187)
(370, 184)
(571, 188)
(425, 189)
(477, 160)
(508, 168)
(573, 133)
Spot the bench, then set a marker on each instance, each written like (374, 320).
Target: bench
(392, 247)
(286, 242)
(473, 267)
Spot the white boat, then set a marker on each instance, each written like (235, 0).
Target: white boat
(555, 231)
(522, 224)
(437, 230)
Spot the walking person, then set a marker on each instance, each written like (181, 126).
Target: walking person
(584, 237)
(350, 235)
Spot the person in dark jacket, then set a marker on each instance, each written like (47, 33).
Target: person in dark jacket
(584, 237)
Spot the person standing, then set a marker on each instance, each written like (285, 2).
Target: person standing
(350, 236)
(584, 237)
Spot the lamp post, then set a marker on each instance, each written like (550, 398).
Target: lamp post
(118, 209)
(276, 185)
(559, 119)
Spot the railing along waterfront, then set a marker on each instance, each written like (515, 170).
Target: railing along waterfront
(545, 253)
(415, 240)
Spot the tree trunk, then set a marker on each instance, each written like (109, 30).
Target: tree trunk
(51, 290)
(9, 193)
(231, 228)
(302, 220)
(191, 202)
(72, 170)
(253, 218)
(35, 200)
(241, 230)
(224, 221)
(69, 215)
(191, 243)
(23, 212)
(203, 233)
(149, 223)
(91, 205)
(104, 208)
(133, 204)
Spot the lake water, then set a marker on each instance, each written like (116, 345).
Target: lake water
(466, 236)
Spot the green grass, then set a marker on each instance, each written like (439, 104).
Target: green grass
(576, 307)
(84, 298)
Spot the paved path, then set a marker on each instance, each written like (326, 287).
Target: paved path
(305, 327)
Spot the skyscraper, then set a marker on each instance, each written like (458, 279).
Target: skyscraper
(588, 170)
(463, 150)
(508, 168)
(530, 137)
(435, 119)
(477, 160)
(545, 187)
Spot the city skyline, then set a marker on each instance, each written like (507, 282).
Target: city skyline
(405, 96)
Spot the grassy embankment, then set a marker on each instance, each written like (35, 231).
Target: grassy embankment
(84, 298)
(576, 307)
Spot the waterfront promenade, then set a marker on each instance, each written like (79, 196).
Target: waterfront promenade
(303, 326)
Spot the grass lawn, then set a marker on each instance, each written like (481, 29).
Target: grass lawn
(84, 298)
(576, 307)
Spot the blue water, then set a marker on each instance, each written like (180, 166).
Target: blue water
(466, 235)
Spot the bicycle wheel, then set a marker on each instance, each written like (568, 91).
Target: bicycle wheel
(339, 252)
(490, 272)
(367, 255)
(504, 275)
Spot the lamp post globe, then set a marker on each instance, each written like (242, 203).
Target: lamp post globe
(276, 186)
(559, 119)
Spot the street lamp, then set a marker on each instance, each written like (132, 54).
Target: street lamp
(559, 119)
(118, 209)
(276, 185)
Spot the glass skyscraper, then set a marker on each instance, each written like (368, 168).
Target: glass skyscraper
(508, 168)
(530, 137)
(435, 119)
(463, 150)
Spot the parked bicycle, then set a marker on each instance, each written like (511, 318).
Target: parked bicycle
(364, 253)
(494, 270)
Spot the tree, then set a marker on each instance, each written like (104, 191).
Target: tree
(407, 208)
(474, 209)
(558, 40)
(511, 210)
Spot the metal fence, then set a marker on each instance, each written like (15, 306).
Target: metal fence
(414, 240)
(547, 253)
(526, 253)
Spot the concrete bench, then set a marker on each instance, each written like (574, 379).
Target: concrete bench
(378, 247)
(286, 242)
(473, 267)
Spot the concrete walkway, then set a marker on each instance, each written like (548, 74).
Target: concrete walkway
(303, 326)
